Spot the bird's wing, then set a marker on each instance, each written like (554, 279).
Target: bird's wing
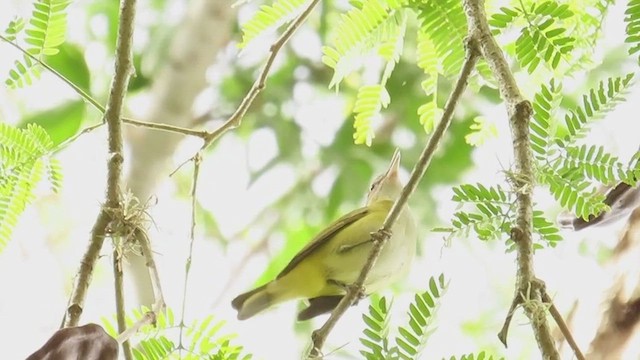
(324, 237)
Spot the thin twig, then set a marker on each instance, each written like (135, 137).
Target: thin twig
(555, 314)
(159, 304)
(73, 86)
(93, 102)
(259, 84)
(75, 137)
(119, 292)
(154, 275)
(203, 134)
(319, 336)
(112, 115)
(149, 317)
(528, 290)
(192, 236)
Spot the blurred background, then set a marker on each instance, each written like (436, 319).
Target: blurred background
(267, 187)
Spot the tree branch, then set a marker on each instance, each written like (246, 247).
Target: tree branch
(383, 234)
(236, 118)
(564, 329)
(192, 238)
(159, 305)
(118, 254)
(112, 115)
(529, 291)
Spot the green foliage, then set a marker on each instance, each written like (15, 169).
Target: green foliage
(44, 33)
(23, 163)
(542, 38)
(479, 356)
(573, 192)
(480, 131)
(158, 341)
(414, 337)
(446, 25)
(14, 28)
(375, 334)
(490, 215)
(410, 339)
(595, 104)
(596, 164)
(544, 104)
(425, 60)
(269, 16)
(358, 32)
(632, 19)
(547, 230)
(567, 168)
(370, 100)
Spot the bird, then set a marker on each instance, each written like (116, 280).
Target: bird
(333, 259)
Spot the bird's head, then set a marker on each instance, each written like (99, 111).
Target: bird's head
(387, 186)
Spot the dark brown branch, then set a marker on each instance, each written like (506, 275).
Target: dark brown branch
(319, 336)
(112, 117)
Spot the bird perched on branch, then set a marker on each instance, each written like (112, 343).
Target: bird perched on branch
(324, 268)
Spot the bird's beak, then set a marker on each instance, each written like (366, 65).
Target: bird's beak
(395, 165)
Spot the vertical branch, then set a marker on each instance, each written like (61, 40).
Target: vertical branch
(319, 336)
(192, 235)
(123, 70)
(119, 292)
(529, 291)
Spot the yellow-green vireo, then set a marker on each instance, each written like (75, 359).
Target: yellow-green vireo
(323, 269)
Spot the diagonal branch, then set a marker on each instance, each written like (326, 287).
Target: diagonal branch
(380, 238)
(259, 84)
(112, 117)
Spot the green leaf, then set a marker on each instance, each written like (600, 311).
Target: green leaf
(632, 18)
(501, 20)
(481, 131)
(375, 334)
(280, 12)
(45, 32)
(413, 337)
(23, 163)
(445, 24)
(596, 104)
(370, 101)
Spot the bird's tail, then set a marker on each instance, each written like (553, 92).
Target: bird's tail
(252, 302)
